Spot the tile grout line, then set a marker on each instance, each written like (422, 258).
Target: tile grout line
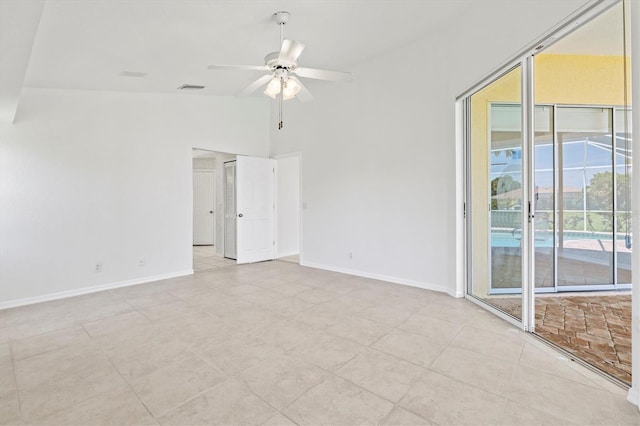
(513, 375)
(15, 380)
(124, 380)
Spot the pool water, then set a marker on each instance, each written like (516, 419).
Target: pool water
(543, 239)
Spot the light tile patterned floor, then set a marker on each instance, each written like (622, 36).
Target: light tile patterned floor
(279, 344)
(205, 257)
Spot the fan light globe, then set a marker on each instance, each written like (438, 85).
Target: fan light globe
(273, 88)
(291, 89)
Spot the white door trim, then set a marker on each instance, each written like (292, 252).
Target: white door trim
(297, 154)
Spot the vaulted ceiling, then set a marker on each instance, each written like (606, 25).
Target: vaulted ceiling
(158, 45)
(89, 44)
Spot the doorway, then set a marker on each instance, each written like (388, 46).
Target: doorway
(207, 208)
(244, 231)
(204, 197)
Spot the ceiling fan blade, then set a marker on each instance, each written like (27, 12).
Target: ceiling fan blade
(256, 85)
(303, 95)
(239, 67)
(290, 51)
(323, 74)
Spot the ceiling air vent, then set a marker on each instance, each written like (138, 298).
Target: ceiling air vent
(133, 74)
(190, 87)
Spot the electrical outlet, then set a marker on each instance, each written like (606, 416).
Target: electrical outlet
(350, 255)
(141, 261)
(98, 267)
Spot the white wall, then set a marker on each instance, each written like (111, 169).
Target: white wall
(379, 175)
(90, 177)
(287, 206)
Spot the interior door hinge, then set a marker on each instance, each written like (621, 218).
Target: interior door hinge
(464, 210)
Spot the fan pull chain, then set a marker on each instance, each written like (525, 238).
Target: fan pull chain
(280, 96)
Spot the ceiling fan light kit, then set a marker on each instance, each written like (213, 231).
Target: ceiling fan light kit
(283, 71)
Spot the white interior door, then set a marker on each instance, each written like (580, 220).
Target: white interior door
(203, 207)
(255, 209)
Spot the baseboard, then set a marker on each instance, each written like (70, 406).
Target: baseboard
(88, 290)
(391, 279)
(634, 397)
(286, 254)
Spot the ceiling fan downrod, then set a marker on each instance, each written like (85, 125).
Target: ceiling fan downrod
(281, 19)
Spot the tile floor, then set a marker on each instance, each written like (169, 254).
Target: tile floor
(205, 257)
(295, 258)
(275, 343)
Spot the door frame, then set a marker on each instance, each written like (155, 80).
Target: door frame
(297, 154)
(224, 208)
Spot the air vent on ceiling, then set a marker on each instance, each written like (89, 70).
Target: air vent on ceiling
(190, 87)
(133, 74)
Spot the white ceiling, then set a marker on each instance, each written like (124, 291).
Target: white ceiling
(88, 44)
(18, 27)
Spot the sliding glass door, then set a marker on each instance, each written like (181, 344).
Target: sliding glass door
(496, 196)
(579, 200)
(548, 193)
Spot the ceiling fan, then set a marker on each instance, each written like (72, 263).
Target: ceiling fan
(283, 71)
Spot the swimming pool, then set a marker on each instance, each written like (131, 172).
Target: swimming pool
(543, 239)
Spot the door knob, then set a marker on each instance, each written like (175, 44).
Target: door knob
(211, 211)
(240, 215)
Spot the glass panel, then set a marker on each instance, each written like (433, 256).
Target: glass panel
(543, 196)
(581, 76)
(585, 180)
(496, 194)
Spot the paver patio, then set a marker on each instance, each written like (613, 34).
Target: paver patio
(594, 328)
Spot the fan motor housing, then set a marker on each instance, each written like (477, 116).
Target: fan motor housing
(272, 61)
